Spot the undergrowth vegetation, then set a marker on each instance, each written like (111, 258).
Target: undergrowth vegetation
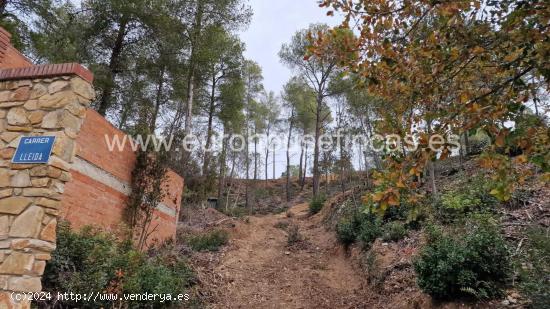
(208, 241)
(316, 204)
(473, 261)
(535, 268)
(466, 254)
(93, 261)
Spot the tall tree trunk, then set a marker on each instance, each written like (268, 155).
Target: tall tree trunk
(221, 176)
(158, 101)
(116, 51)
(343, 156)
(210, 130)
(273, 161)
(196, 32)
(316, 173)
(288, 158)
(3, 4)
(255, 155)
(247, 166)
(303, 180)
(266, 158)
(300, 174)
(231, 175)
(375, 155)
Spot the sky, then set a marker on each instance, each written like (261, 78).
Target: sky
(273, 23)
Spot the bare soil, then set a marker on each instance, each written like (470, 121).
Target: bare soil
(261, 270)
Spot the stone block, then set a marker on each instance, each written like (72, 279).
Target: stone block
(11, 104)
(38, 267)
(38, 90)
(21, 94)
(14, 205)
(5, 193)
(48, 203)
(36, 117)
(25, 284)
(4, 178)
(34, 244)
(21, 179)
(17, 116)
(76, 109)
(17, 263)
(9, 136)
(7, 153)
(28, 223)
(31, 105)
(57, 86)
(61, 119)
(48, 232)
(40, 182)
(57, 100)
(19, 128)
(4, 226)
(82, 88)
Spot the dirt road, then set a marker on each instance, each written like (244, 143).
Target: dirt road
(260, 270)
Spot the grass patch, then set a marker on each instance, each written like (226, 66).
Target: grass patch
(209, 241)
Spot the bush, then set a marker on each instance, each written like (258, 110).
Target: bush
(475, 264)
(371, 228)
(394, 231)
(346, 232)
(94, 261)
(316, 204)
(535, 281)
(208, 241)
(361, 226)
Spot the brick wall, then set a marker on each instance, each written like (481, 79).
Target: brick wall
(9, 56)
(100, 184)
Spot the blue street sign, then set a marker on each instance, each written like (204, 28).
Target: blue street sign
(33, 149)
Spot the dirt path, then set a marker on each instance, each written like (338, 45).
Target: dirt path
(259, 269)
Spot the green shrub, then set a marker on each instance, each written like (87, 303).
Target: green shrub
(394, 231)
(371, 228)
(91, 260)
(535, 281)
(208, 241)
(394, 213)
(474, 264)
(470, 197)
(316, 204)
(365, 227)
(346, 232)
